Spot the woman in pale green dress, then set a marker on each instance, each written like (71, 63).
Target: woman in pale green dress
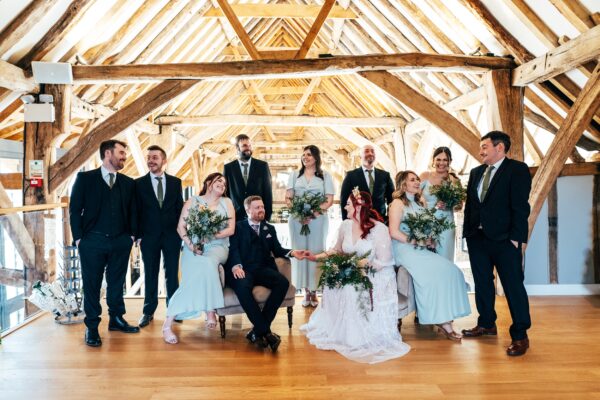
(309, 178)
(200, 287)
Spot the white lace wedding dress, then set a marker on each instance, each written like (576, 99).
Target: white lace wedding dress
(339, 324)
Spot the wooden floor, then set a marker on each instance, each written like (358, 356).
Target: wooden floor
(48, 361)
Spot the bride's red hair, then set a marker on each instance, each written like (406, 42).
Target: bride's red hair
(366, 214)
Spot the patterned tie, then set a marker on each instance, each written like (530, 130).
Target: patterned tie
(159, 191)
(245, 173)
(255, 227)
(371, 180)
(486, 182)
(111, 179)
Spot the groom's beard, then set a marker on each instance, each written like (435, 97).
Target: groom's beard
(245, 155)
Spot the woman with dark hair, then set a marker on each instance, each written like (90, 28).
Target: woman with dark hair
(442, 157)
(309, 178)
(440, 288)
(364, 335)
(200, 287)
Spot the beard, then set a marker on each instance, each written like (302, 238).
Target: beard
(245, 155)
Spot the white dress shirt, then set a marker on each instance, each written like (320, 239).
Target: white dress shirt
(496, 166)
(367, 174)
(106, 176)
(155, 184)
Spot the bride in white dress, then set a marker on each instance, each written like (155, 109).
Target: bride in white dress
(338, 323)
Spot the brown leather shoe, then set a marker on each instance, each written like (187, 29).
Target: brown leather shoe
(480, 331)
(518, 347)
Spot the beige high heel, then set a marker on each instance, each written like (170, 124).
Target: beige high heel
(457, 337)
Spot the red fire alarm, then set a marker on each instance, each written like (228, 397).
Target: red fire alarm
(35, 182)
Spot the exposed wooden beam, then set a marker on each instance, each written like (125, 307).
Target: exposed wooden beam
(16, 230)
(575, 169)
(113, 125)
(239, 29)
(281, 11)
(279, 120)
(23, 23)
(70, 17)
(193, 143)
(133, 144)
(14, 78)
(427, 108)
(505, 109)
(13, 277)
(314, 29)
(572, 128)
(276, 69)
(561, 59)
(12, 181)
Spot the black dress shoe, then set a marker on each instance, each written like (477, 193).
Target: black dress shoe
(273, 341)
(145, 320)
(251, 336)
(179, 321)
(480, 331)
(117, 323)
(92, 337)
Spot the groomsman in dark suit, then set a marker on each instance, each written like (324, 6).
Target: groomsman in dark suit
(496, 229)
(368, 179)
(159, 203)
(248, 176)
(251, 263)
(104, 224)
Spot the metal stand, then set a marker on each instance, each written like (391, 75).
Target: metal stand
(72, 284)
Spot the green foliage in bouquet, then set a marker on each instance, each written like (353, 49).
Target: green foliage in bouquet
(424, 226)
(203, 224)
(449, 193)
(339, 270)
(305, 206)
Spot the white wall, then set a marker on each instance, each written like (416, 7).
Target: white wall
(575, 239)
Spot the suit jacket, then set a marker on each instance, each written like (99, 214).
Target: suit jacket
(252, 251)
(152, 219)
(382, 191)
(504, 211)
(259, 183)
(84, 206)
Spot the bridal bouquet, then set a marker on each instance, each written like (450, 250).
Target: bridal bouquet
(203, 224)
(425, 228)
(304, 208)
(339, 270)
(52, 297)
(449, 193)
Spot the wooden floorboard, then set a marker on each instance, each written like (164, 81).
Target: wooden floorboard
(45, 360)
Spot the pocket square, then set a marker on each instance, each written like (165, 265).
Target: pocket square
(268, 236)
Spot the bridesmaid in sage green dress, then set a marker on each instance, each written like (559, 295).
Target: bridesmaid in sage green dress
(440, 288)
(442, 157)
(200, 287)
(310, 178)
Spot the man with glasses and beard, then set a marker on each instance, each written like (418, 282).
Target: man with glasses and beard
(104, 224)
(248, 176)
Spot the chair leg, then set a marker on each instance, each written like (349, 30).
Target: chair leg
(399, 324)
(222, 325)
(290, 311)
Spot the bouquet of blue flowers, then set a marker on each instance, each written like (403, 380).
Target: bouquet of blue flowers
(449, 193)
(203, 224)
(304, 207)
(425, 228)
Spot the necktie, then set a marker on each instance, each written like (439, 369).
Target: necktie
(486, 182)
(371, 180)
(111, 179)
(245, 173)
(159, 191)
(255, 227)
